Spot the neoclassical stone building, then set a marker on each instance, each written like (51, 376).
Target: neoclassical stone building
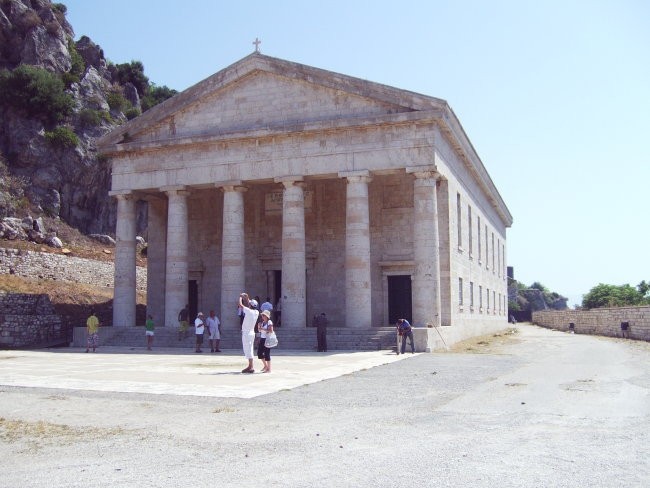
(336, 194)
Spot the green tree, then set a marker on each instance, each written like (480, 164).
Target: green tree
(156, 95)
(603, 295)
(643, 288)
(36, 92)
(133, 72)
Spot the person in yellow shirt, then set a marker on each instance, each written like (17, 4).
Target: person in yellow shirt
(92, 327)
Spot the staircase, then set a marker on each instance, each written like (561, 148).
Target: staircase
(338, 339)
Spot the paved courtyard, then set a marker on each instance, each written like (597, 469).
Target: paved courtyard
(542, 408)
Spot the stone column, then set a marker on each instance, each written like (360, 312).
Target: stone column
(426, 249)
(233, 254)
(358, 292)
(125, 248)
(156, 258)
(294, 277)
(176, 273)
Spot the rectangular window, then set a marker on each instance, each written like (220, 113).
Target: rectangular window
(494, 301)
(459, 223)
(480, 297)
(469, 226)
(499, 303)
(471, 294)
(460, 291)
(505, 267)
(487, 247)
(478, 237)
(493, 270)
(499, 253)
(487, 296)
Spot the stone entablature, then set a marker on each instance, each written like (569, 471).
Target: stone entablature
(598, 321)
(58, 267)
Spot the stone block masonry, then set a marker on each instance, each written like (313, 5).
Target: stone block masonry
(29, 321)
(58, 267)
(598, 321)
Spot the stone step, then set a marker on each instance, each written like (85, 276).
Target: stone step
(291, 339)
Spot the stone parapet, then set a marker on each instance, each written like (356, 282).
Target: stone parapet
(58, 267)
(598, 321)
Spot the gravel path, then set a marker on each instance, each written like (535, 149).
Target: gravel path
(547, 409)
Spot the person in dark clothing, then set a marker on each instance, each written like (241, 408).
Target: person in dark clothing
(320, 322)
(405, 330)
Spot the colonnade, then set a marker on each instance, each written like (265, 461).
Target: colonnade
(358, 291)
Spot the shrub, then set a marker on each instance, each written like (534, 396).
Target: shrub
(117, 101)
(62, 137)
(132, 113)
(90, 117)
(133, 72)
(78, 65)
(156, 95)
(60, 8)
(36, 92)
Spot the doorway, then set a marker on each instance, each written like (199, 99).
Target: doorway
(276, 294)
(399, 298)
(193, 299)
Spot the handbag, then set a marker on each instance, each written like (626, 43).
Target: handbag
(271, 340)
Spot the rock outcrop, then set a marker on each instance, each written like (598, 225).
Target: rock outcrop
(52, 168)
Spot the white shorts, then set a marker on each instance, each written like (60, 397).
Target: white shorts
(148, 332)
(214, 334)
(247, 340)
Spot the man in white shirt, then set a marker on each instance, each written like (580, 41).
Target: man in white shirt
(199, 330)
(248, 328)
(214, 329)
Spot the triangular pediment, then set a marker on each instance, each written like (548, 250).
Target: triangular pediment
(260, 92)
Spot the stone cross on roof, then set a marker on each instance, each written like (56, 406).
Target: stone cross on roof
(257, 43)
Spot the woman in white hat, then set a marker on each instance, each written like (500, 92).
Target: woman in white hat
(263, 352)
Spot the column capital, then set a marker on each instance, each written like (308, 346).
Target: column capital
(231, 185)
(424, 172)
(180, 190)
(122, 194)
(289, 181)
(362, 176)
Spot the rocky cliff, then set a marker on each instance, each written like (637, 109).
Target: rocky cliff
(56, 97)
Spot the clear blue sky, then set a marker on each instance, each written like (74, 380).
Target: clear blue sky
(553, 94)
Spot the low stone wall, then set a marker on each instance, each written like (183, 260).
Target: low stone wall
(49, 266)
(598, 321)
(29, 321)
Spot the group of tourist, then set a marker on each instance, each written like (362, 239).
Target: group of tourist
(252, 318)
(255, 321)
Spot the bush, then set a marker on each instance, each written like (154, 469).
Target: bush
(132, 113)
(93, 118)
(60, 8)
(62, 137)
(117, 101)
(133, 72)
(156, 95)
(36, 92)
(78, 67)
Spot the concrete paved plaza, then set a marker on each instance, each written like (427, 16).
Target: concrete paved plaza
(537, 408)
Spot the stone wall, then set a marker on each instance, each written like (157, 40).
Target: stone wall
(598, 321)
(28, 321)
(59, 267)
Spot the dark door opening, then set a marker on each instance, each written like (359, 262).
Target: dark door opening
(399, 298)
(277, 293)
(193, 299)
